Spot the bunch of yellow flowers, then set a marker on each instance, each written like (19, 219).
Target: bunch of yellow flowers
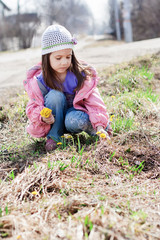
(45, 112)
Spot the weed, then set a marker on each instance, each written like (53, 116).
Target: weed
(106, 175)
(102, 198)
(130, 79)
(123, 124)
(87, 161)
(4, 234)
(5, 209)
(73, 159)
(88, 226)
(49, 164)
(131, 170)
(137, 169)
(58, 214)
(64, 143)
(102, 210)
(79, 143)
(110, 158)
(0, 212)
(62, 166)
(35, 165)
(139, 216)
(63, 192)
(11, 175)
(148, 94)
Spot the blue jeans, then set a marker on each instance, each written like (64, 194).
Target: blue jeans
(67, 120)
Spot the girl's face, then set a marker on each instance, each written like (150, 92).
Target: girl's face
(60, 60)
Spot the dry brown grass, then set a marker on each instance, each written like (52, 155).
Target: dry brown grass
(117, 207)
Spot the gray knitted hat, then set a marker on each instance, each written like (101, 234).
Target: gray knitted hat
(56, 37)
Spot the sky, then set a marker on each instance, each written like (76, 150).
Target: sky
(98, 7)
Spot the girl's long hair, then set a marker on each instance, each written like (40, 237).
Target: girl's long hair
(51, 79)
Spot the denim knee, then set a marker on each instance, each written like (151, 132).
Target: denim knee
(54, 98)
(76, 121)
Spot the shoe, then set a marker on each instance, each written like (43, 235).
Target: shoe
(51, 145)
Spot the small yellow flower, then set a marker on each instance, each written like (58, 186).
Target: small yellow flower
(69, 137)
(111, 118)
(112, 96)
(19, 237)
(103, 135)
(34, 192)
(98, 133)
(45, 112)
(59, 143)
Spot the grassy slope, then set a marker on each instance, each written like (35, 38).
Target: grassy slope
(87, 189)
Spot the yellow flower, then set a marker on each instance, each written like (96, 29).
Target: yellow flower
(98, 133)
(69, 137)
(103, 135)
(111, 118)
(34, 192)
(19, 237)
(112, 96)
(59, 143)
(45, 112)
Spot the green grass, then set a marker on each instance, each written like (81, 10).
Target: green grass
(122, 124)
(131, 78)
(132, 96)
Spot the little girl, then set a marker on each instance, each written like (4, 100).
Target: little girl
(67, 87)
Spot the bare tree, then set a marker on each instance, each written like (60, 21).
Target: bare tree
(73, 14)
(3, 44)
(112, 25)
(49, 10)
(27, 28)
(145, 19)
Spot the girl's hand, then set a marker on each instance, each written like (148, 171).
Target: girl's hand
(49, 120)
(103, 134)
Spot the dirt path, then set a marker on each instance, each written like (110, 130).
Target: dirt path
(105, 56)
(13, 65)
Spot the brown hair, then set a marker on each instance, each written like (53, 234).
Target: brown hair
(51, 79)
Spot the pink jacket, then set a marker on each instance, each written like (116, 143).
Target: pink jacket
(87, 99)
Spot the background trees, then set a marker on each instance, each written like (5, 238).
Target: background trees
(17, 30)
(22, 26)
(145, 19)
(73, 14)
